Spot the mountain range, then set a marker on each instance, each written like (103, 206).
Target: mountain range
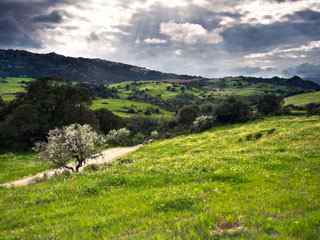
(18, 63)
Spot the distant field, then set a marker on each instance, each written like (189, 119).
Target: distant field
(121, 106)
(257, 180)
(11, 86)
(163, 90)
(303, 99)
(17, 165)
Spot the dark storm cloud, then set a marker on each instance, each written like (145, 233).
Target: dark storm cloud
(248, 38)
(20, 20)
(306, 70)
(13, 35)
(138, 39)
(305, 16)
(53, 17)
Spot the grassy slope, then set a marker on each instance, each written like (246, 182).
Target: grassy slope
(118, 106)
(182, 188)
(13, 86)
(17, 165)
(156, 89)
(303, 99)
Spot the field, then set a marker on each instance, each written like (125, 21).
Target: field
(17, 165)
(162, 90)
(120, 107)
(303, 99)
(10, 86)
(258, 180)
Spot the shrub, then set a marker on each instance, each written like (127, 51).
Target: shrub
(139, 138)
(2, 103)
(154, 134)
(108, 121)
(202, 123)
(21, 128)
(119, 137)
(142, 124)
(208, 109)
(269, 104)
(75, 142)
(313, 109)
(233, 110)
(187, 114)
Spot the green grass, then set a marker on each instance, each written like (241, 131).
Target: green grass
(303, 99)
(17, 165)
(119, 107)
(11, 87)
(262, 177)
(155, 89)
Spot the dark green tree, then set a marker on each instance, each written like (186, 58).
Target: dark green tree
(187, 114)
(269, 104)
(108, 121)
(233, 110)
(47, 104)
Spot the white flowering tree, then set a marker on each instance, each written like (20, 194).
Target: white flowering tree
(72, 143)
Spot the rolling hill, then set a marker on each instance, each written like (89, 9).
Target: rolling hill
(16, 63)
(258, 180)
(303, 99)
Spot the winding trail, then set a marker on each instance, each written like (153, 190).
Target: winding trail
(104, 157)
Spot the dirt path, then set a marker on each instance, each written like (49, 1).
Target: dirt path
(105, 157)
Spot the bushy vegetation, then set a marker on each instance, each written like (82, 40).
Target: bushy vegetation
(233, 110)
(52, 103)
(313, 109)
(202, 123)
(269, 104)
(48, 104)
(187, 114)
(119, 137)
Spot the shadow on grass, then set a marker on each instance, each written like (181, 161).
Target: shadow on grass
(161, 180)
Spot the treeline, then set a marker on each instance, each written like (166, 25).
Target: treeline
(48, 104)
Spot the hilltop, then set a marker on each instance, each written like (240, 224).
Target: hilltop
(17, 63)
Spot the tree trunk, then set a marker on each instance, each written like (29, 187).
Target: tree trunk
(79, 164)
(69, 168)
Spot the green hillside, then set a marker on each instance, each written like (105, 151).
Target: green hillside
(258, 180)
(17, 165)
(9, 87)
(122, 107)
(303, 99)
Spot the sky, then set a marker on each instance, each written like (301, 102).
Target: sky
(210, 38)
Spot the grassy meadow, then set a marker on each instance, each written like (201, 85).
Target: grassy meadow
(11, 86)
(162, 90)
(303, 99)
(120, 107)
(17, 165)
(258, 180)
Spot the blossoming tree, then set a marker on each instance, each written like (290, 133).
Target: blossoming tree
(72, 143)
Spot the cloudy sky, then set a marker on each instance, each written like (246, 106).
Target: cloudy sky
(198, 37)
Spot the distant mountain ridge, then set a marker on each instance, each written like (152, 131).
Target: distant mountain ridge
(19, 63)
